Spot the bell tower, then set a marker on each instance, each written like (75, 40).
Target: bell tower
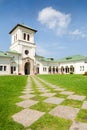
(22, 41)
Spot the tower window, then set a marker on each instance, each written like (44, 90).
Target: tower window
(24, 36)
(28, 37)
(16, 36)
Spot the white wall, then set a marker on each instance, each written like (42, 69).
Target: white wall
(5, 62)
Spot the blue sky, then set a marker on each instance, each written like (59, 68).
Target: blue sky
(61, 25)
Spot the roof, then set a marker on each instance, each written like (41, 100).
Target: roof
(22, 25)
(65, 59)
(72, 58)
(41, 58)
(4, 54)
(38, 56)
(13, 51)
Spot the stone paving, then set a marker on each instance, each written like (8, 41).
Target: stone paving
(54, 100)
(28, 116)
(27, 96)
(67, 93)
(26, 103)
(48, 94)
(78, 126)
(76, 97)
(65, 112)
(84, 105)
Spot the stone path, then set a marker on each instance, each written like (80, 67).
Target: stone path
(28, 116)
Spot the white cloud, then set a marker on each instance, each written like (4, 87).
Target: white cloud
(76, 34)
(54, 19)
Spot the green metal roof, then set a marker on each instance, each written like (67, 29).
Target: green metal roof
(38, 56)
(72, 58)
(13, 51)
(65, 59)
(41, 58)
(4, 54)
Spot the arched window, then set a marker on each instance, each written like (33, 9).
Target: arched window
(56, 69)
(49, 69)
(62, 69)
(28, 37)
(24, 36)
(71, 68)
(16, 36)
(67, 69)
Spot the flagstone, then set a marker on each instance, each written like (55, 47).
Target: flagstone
(27, 117)
(59, 89)
(65, 112)
(29, 129)
(48, 94)
(84, 105)
(78, 126)
(54, 100)
(76, 97)
(44, 91)
(27, 96)
(27, 92)
(26, 103)
(67, 92)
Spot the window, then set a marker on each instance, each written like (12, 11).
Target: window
(24, 36)
(28, 37)
(4, 68)
(44, 69)
(16, 36)
(81, 68)
(26, 52)
(14, 68)
(1, 68)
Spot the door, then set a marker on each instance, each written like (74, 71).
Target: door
(12, 69)
(27, 68)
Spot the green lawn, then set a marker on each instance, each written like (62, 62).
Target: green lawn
(10, 89)
(12, 86)
(76, 83)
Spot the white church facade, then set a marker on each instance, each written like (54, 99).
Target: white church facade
(22, 58)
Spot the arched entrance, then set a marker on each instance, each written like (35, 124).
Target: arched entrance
(27, 68)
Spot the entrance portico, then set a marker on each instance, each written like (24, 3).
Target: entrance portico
(27, 66)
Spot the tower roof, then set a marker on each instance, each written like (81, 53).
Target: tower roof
(22, 25)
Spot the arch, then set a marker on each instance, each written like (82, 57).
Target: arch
(49, 69)
(62, 69)
(53, 69)
(27, 68)
(56, 69)
(67, 69)
(71, 68)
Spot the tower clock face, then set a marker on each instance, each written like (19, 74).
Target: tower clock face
(26, 52)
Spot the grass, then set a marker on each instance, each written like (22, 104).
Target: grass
(10, 89)
(76, 83)
(48, 122)
(82, 116)
(12, 86)
(72, 103)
